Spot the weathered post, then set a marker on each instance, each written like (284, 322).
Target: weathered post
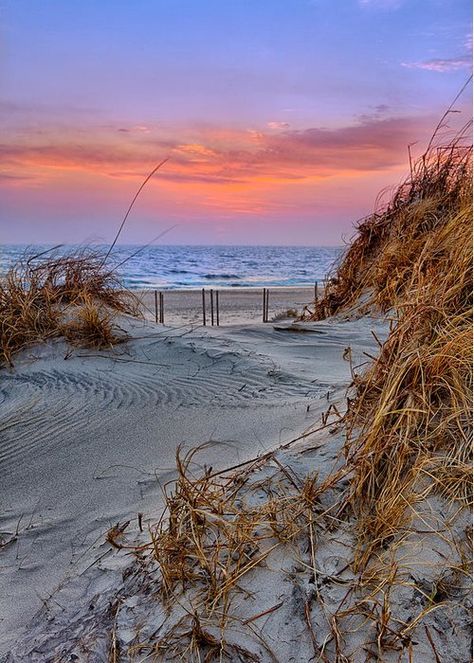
(266, 309)
(162, 308)
(203, 292)
(264, 300)
(217, 307)
(156, 306)
(315, 292)
(212, 306)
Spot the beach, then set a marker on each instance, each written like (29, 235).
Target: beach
(236, 367)
(90, 437)
(236, 305)
(90, 443)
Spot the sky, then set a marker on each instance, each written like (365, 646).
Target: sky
(281, 119)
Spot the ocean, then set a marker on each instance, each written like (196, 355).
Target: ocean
(173, 267)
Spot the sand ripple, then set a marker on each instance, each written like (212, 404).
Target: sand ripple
(44, 403)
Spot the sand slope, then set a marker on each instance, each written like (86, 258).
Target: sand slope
(87, 438)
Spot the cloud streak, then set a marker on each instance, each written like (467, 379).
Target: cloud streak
(442, 65)
(220, 156)
(215, 171)
(278, 125)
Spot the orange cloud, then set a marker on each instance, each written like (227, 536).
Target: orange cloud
(214, 168)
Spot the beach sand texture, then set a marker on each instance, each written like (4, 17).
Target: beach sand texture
(89, 438)
(90, 441)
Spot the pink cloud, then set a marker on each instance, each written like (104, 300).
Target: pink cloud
(441, 65)
(215, 174)
(218, 156)
(278, 125)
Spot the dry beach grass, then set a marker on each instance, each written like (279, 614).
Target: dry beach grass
(52, 295)
(409, 424)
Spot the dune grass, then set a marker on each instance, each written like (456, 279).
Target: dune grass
(377, 268)
(54, 295)
(213, 534)
(409, 424)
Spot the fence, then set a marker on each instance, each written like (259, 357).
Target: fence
(210, 305)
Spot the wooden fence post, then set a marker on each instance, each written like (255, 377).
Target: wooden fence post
(212, 306)
(162, 308)
(217, 307)
(203, 293)
(156, 306)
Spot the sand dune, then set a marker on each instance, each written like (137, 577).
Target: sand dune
(89, 438)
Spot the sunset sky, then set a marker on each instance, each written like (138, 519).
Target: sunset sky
(282, 119)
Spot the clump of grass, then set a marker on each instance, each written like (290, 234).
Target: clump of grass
(91, 327)
(51, 295)
(210, 538)
(409, 425)
(391, 242)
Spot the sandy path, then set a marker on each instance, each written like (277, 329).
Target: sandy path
(88, 441)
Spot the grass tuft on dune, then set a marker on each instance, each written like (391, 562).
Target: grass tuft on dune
(52, 295)
(409, 424)
(394, 252)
